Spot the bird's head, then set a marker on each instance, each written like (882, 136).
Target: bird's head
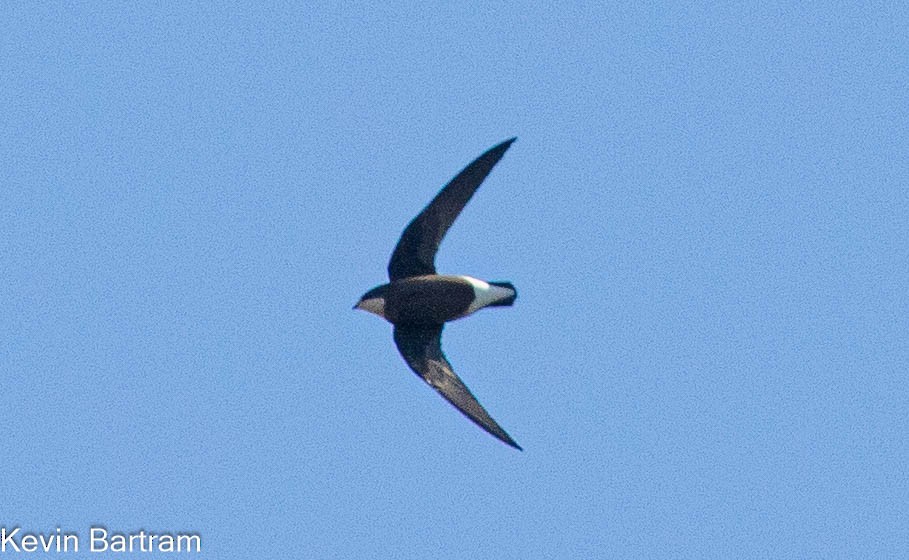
(373, 301)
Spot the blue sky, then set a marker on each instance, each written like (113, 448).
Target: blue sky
(705, 215)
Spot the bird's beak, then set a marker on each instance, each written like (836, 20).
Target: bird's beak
(357, 306)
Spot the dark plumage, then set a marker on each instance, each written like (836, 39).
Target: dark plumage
(416, 250)
(418, 302)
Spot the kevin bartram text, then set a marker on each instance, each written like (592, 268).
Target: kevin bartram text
(99, 539)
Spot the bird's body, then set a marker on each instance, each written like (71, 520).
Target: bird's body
(435, 298)
(418, 301)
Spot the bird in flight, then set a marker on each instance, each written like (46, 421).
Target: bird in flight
(418, 301)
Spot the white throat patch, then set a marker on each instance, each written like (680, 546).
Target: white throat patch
(485, 294)
(373, 305)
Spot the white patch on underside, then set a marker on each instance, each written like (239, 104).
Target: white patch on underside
(485, 294)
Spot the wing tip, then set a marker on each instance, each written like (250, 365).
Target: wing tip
(507, 143)
(496, 431)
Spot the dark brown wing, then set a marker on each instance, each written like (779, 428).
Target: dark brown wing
(421, 346)
(416, 250)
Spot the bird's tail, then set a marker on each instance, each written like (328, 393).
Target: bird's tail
(508, 301)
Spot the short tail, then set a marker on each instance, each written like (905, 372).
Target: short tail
(506, 302)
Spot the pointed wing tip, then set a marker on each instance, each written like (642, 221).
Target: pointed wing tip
(499, 149)
(501, 435)
(492, 428)
(496, 431)
(507, 143)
